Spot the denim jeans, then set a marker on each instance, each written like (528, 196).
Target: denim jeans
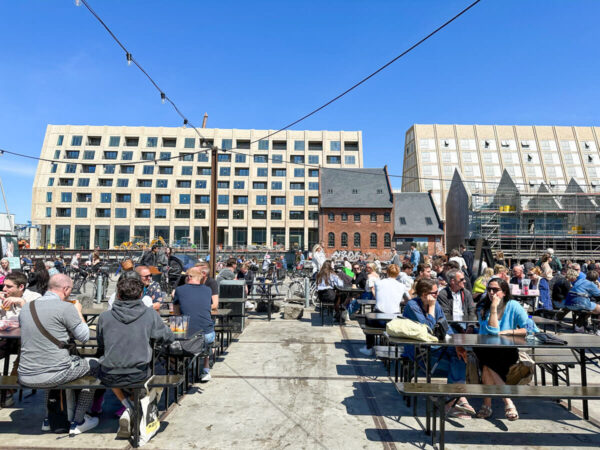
(209, 338)
(446, 361)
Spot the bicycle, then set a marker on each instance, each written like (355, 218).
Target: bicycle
(296, 290)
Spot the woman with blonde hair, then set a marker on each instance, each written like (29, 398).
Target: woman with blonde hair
(481, 282)
(372, 276)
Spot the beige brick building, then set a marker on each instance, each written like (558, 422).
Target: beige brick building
(98, 194)
(530, 154)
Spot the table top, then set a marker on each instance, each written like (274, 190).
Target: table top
(576, 341)
(382, 316)
(221, 312)
(350, 290)
(15, 333)
(232, 300)
(367, 301)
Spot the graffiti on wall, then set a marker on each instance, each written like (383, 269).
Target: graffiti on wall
(350, 254)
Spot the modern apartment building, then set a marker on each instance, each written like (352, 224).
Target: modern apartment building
(113, 184)
(530, 154)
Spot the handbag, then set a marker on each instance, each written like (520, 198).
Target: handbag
(149, 422)
(473, 376)
(190, 347)
(70, 346)
(522, 371)
(405, 328)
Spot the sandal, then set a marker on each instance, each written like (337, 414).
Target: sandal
(465, 408)
(457, 413)
(511, 413)
(485, 412)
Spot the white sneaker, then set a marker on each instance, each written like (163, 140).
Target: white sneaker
(345, 316)
(597, 333)
(124, 424)
(46, 425)
(366, 351)
(88, 423)
(205, 377)
(579, 329)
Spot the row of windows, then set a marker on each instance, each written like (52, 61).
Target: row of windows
(357, 217)
(161, 213)
(226, 144)
(387, 240)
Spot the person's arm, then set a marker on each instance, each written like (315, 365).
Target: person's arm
(76, 324)
(519, 319)
(161, 333)
(100, 336)
(445, 301)
(214, 302)
(470, 306)
(414, 312)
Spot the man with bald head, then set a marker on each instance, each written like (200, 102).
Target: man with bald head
(45, 364)
(195, 299)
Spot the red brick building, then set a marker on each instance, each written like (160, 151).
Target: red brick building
(356, 212)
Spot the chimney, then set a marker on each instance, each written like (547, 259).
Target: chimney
(204, 120)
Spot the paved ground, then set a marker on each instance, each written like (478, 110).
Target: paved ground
(295, 384)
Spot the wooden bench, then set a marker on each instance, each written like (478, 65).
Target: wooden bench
(377, 333)
(438, 394)
(88, 382)
(391, 354)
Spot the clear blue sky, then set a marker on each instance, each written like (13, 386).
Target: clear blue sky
(262, 64)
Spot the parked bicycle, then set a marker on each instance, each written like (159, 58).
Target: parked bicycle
(296, 290)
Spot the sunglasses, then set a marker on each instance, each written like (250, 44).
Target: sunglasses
(529, 274)
(146, 276)
(493, 289)
(434, 293)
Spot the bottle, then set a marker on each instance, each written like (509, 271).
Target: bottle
(530, 326)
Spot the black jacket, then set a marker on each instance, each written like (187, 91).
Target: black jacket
(446, 302)
(149, 259)
(124, 335)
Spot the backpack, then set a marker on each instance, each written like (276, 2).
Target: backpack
(58, 415)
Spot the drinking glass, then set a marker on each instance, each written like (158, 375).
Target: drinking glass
(179, 324)
(173, 323)
(185, 322)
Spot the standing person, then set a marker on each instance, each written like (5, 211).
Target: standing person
(266, 263)
(124, 335)
(151, 288)
(546, 270)
(195, 299)
(499, 315)
(38, 278)
(246, 274)
(326, 282)
(415, 256)
(43, 363)
(395, 258)
(468, 257)
(318, 258)
(150, 258)
(455, 256)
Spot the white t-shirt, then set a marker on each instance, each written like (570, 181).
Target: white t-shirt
(457, 306)
(461, 262)
(388, 295)
(146, 299)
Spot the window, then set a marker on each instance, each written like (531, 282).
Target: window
(259, 185)
(351, 146)
(428, 221)
(238, 214)
(276, 215)
(275, 185)
(200, 184)
(278, 172)
(240, 158)
(81, 213)
(313, 173)
(279, 145)
(114, 141)
(335, 146)
(299, 145)
(121, 213)
(240, 199)
(109, 169)
(142, 213)
(223, 200)
(225, 171)
(387, 240)
(242, 144)
(127, 156)
(76, 141)
(387, 217)
(187, 170)
(182, 213)
(66, 197)
(402, 220)
(165, 156)
(53, 168)
(313, 186)
(103, 212)
(199, 214)
(169, 142)
(63, 212)
(50, 181)
(202, 199)
(56, 154)
(48, 211)
(160, 213)
(202, 157)
(184, 199)
(260, 158)
(313, 159)
(296, 215)
(297, 159)
(132, 141)
(373, 240)
(357, 240)
(65, 181)
(263, 144)
(297, 186)
(344, 217)
(373, 217)
(331, 240)
(222, 214)
(334, 160)
(163, 198)
(315, 145)
(242, 172)
(344, 239)
(165, 170)
(49, 196)
(110, 155)
(259, 214)
(84, 197)
(277, 200)
(203, 170)
(262, 172)
(148, 170)
(123, 198)
(60, 140)
(313, 200)
(83, 182)
(89, 154)
(144, 183)
(105, 197)
(357, 217)
(72, 154)
(182, 184)
(261, 199)
(299, 173)
(152, 142)
(298, 200)
(331, 217)
(189, 143)
(226, 144)
(127, 169)
(145, 198)
(277, 159)
(222, 157)
(349, 159)
(88, 168)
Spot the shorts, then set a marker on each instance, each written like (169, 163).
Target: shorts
(209, 338)
(580, 304)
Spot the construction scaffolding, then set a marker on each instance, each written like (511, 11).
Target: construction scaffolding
(523, 225)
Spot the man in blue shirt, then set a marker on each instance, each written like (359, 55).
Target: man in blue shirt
(195, 299)
(415, 256)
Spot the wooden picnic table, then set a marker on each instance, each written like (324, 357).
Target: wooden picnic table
(366, 302)
(267, 294)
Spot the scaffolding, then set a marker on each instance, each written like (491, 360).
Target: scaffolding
(524, 225)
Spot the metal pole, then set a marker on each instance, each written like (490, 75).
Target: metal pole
(306, 293)
(213, 211)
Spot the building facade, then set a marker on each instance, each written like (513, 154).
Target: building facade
(417, 221)
(530, 154)
(107, 185)
(356, 209)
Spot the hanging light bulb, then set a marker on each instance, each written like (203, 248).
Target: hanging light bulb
(185, 122)
(128, 58)
(163, 97)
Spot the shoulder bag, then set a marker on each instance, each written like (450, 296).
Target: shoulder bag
(70, 346)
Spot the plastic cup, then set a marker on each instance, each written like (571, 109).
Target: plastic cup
(185, 322)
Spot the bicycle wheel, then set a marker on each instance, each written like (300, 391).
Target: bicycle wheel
(296, 290)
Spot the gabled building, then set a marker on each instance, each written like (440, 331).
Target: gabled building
(416, 220)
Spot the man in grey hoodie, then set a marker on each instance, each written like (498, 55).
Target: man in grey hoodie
(124, 335)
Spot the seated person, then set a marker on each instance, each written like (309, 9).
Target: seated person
(42, 363)
(195, 299)
(456, 301)
(499, 315)
(124, 335)
(425, 309)
(405, 276)
(541, 284)
(326, 282)
(518, 276)
(580, 296)
(390, 294)
(151, 288)
(128, 272)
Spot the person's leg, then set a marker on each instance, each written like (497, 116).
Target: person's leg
(457, 375)
(209, 338)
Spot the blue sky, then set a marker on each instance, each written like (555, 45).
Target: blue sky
(262, 64)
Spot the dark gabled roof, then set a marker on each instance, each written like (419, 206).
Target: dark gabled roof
(415, 208)
(507, 192)
(543, 202)
(354, 188)
(576, 202)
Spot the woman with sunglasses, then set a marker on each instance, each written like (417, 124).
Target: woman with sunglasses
(499, 315)
(539, 283)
